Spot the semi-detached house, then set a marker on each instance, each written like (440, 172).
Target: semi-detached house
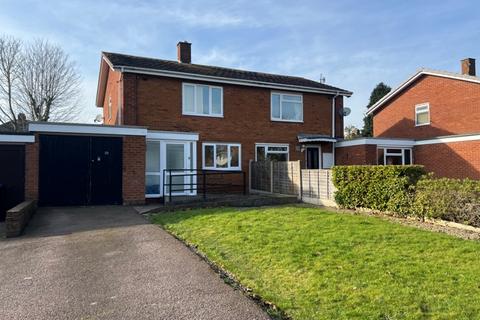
(213, 118)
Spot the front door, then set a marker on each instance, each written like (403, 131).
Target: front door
(313, 158)
(177, 160)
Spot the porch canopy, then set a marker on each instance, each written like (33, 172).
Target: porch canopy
(309, 137)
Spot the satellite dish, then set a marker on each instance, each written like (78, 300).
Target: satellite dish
(98, 118)
(345, 111)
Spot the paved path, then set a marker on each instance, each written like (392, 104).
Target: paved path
(109, 263)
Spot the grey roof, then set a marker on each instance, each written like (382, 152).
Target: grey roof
(123, 60)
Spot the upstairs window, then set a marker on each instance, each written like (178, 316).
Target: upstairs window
(422, 114)
(202, 100)
(286, 107)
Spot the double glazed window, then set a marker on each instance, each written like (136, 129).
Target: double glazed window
(266, 152)
(286, 107)
(221, 156)
(422, 114)
(394, 156)
(202, 100)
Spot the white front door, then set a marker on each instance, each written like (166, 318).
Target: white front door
(178, 163)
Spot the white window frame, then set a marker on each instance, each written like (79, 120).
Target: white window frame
(266, 145)
(228, 144)
(402, 154)
(282, 94)
(210, 106)
(422, 106)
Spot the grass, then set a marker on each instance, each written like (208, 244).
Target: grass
(316, 264)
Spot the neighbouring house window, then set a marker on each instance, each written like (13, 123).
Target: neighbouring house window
(202, 100)
(270, 152)
(152, 166)
(422, 114)
(286, 107)
(222, 156)
(394, 156)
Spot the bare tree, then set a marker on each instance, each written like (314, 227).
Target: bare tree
(10, 59)
(49, 83)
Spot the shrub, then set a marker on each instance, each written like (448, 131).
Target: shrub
(384, 188)
(449, 199)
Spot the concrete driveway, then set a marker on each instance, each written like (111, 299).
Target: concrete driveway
(109, 263)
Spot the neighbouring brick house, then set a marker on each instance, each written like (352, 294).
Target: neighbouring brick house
(213, 118)
(432, 119)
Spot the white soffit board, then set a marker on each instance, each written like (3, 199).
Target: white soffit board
(172, 135)
(17, 138)
(86, 129)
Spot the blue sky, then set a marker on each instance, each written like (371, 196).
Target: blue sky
(354, 44)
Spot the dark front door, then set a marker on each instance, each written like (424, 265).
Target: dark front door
(80, 170)
(12, 177)
(106, 170)
(313, 158)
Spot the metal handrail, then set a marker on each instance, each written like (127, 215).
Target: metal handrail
(194, 184)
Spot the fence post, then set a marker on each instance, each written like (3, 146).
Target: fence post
(271, 176)
(328, 184)
(250, 176)
(301, 180)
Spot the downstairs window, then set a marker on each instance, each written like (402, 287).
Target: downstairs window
(394, 156)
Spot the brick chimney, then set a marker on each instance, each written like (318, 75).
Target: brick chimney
(184, 52)
(468, 67)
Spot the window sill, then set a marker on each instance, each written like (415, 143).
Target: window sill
(202, 115)
(422, 125)
(223, 169)
(287, 121)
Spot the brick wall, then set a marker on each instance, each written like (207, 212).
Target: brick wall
(113, 94)
(31, 169)
(156, 102)
(134, 170)
(452, 160)
(454, 109)
(356, 155)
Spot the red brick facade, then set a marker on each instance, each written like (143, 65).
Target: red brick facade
(156, 102)
(365, 154)
(452, 160)
(454, 109)
(133, 170)
(31, 170)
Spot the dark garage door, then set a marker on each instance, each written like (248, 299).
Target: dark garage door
(80, 170)
(12, 177)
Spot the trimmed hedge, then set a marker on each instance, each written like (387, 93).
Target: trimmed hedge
(407, 190)
(384, 188)
(448, 199)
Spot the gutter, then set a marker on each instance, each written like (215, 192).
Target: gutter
(333, 125)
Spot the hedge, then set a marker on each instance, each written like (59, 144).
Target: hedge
(384, 188)
(407, 190)
(448, 199)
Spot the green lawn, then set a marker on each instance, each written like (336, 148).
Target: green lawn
(316, 264)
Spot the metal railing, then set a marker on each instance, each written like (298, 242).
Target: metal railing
(196, 181)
